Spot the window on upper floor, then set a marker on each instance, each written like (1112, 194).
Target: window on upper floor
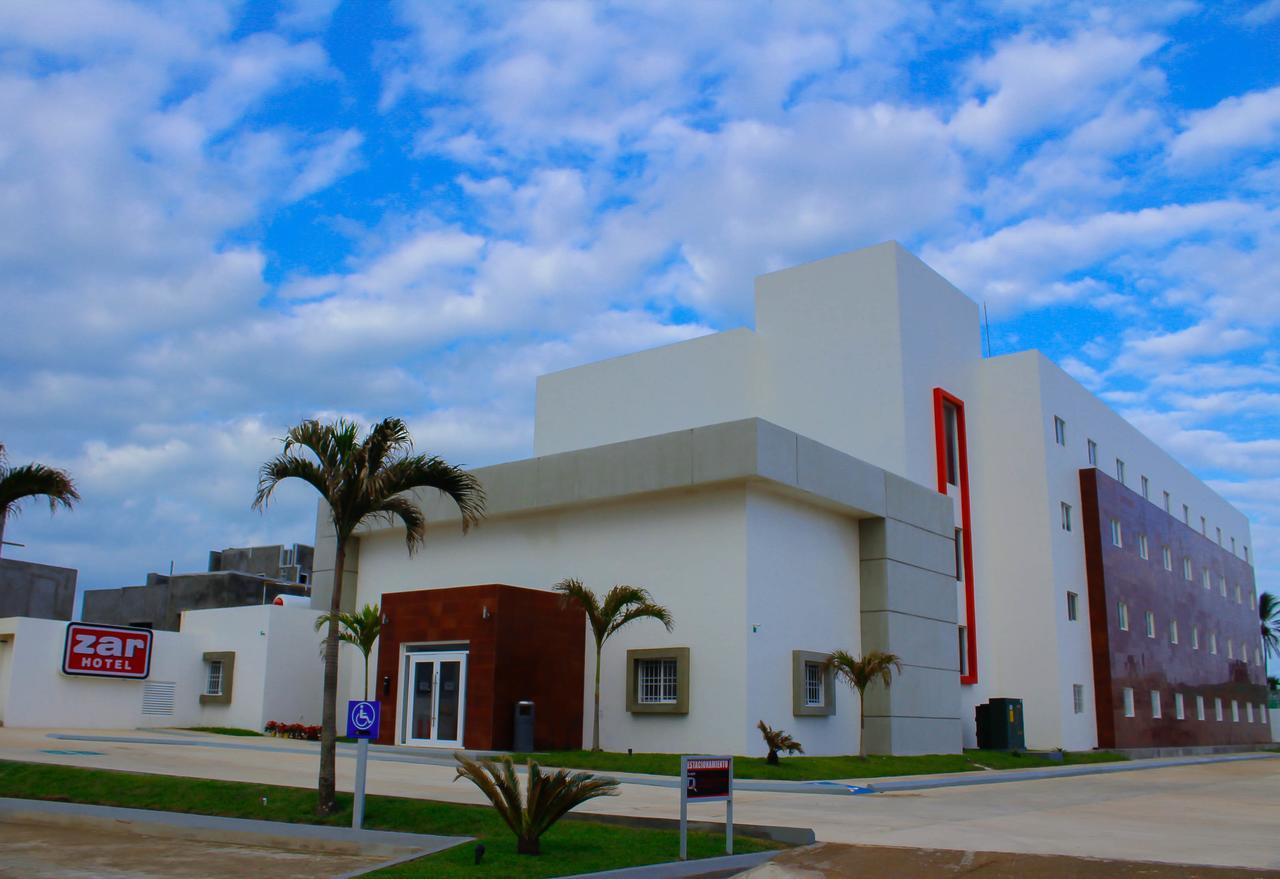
(1142, 546)
(1093, 454)
(1168, 558)
(1205, 578)
(1195, 637)
(1199, 707)
(1066, 516)
(1219, 530)
(959, 541)
(1186, 515)
(1122, 615)
(1120, 471)
(1151, 624)
(1155, 705)
(1204, 526)
(1246, 555)
(1073, 606)
(1217, 709)
(1239, 595)
(1059, 431)
(1146, 488)
(1126, 696)
(1235, 711)
(1222, 585)
(1077, 698)
(1231, 650)
(1178, 710)
(1233, 546)
(1186, 567)
(951, 438)
(1166, 502)
(1117, 538)
(1173, 631)
(1213, 643)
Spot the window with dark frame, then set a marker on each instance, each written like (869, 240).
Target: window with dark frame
(951, 438)
(1073, 606)
(1059, 431)
(656, 681)
(813, 685)
(213, 680)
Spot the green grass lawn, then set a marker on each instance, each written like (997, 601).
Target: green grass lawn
(818, 768)
(569, 847)
(224, 730)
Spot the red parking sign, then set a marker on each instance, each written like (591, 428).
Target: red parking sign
(107, 651)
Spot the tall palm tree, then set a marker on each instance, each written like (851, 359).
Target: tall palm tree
(361, 478)
(861, 673)
(32, 480)
(360, 629)
(621, 605)
(1269, 612)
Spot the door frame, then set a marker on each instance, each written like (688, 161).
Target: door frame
(410, 655)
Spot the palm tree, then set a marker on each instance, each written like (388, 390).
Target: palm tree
(547, 800)
(777, 740)
(621, 605)
(359, 628)
(859, 674)
(361, 479)
(1269, 612)
(32, 480)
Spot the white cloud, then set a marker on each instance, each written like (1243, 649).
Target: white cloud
(1234, 124)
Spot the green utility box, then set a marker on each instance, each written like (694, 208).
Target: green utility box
(1000, 725)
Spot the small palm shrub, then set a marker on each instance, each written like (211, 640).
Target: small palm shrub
(547, 799)
(777, 740)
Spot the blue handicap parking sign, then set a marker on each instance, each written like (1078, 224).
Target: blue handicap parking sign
(362, 719)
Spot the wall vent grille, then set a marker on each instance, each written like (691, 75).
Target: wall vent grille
(158, 697)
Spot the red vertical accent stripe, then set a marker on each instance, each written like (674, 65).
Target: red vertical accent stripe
(940, 398)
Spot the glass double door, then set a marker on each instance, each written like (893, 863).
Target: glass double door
(434, 699)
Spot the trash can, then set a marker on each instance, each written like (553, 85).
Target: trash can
(522, 741)
(1000, 726)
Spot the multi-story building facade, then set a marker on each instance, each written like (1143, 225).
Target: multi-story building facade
(852, 474)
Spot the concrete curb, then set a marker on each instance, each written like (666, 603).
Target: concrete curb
(705, 868)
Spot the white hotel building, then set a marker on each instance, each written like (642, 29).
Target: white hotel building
(851, 474)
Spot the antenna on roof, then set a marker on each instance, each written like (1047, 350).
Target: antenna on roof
(986, 323)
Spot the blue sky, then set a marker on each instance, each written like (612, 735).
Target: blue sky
(221, 218)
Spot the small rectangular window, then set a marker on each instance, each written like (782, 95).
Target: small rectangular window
(1127, 696)
(1093, 454)
(1142, 546)
(1217, 709)
(1213, 643)
(1233, 546)
(1219, 536)
(1151, 624)
(1168, 558)
(813, 685)
(1239, 595)
(1120, 471)
(1199, 707)
(1122, 614)
(1116, 537)
(1195, 637)
(1235, 711)
(1186, 514)
(1248, 712)
(959, 536)
(1066, 516)
(1073, 606)
(213, 679)
(1231, 650)
(1166, 502)
(656, 681)
(1146, 489)
(1186, 567)
(1077, 698)
(1246, 555)
(1204, 527)
(1222, 585)
(951, 439)
(1173, 631)
(1179, 711)
(1206, 579)
(1059, 431)
(1155, 705)
(962, 642)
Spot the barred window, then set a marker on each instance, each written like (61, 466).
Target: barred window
(213, 682)
(656, 681)
(813, 684)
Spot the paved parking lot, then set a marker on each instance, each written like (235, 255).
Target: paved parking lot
(44, 851)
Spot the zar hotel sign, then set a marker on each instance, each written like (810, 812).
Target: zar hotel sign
(107, 651)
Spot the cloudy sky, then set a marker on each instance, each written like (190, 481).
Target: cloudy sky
(221, 218)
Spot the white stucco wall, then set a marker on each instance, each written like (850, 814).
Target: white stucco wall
(705, 380)
(802, 594)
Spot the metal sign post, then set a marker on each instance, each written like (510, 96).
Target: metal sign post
(362, 724)
(706, 780)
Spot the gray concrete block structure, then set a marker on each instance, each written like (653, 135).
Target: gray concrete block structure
(28, 589)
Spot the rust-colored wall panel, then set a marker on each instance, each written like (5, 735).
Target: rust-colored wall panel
(529, 647)
(1131, 659)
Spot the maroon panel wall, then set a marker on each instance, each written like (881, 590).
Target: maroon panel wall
(1131, 659)
(528, 647)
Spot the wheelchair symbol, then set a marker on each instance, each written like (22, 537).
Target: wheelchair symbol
(362, 717)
